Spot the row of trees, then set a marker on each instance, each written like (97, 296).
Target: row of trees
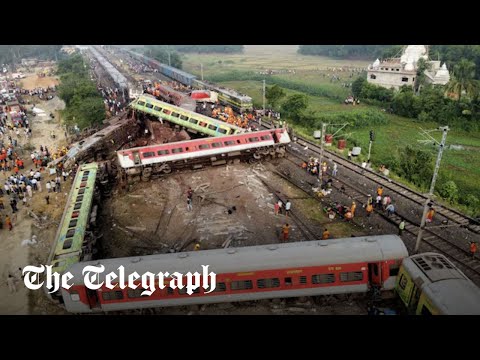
(164, 53)
(14, 53)
(345, 51)
(84, 105)
(210, 48)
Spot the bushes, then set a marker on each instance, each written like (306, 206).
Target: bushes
(415, 165)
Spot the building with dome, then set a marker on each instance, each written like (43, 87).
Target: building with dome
(396, 72)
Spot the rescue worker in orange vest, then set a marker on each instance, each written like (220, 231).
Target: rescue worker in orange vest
(352, 208)
(430, 214)
(473, 248)
(348, 215)
(285, 231)
(325, 235)
(8, 222)
(369, 209)
(380, 191)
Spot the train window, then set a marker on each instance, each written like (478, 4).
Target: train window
(403, 282)
(204, 146)
(75, 214)
(163, 152)
(254, 139)
(323, 279)
(148, 154)
(174, 114)
(85, 178)
(288, 281)
(351, 276)
(81, 191)
(230, 142)
(74, 296)
(79, 198)
(86, 172)
(77, 206)
(193, 121)
(426, 311)
(150, 106)
(70, 233)
(72, 223)
(136, 293)
(241, 285)
(141, 103)
(219, 287)
(222, 131)
(156, 108)
(268, 283)
(394, 269)
(167, 112)
(266, 137)
(67, 244)
(183, 117)
(184, 291)
(303, 280)
(112, 295)
(212, 127)
(177, 150)
(202, 124)
(217, 145)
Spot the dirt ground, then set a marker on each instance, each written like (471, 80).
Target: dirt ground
(12, 254)
(33, 81)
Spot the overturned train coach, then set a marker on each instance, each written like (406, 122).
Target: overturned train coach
(194, 154)
(309, 268)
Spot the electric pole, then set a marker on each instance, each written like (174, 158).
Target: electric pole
(372, 137)
(445, 130)
(322, 140)
(264, 97)
(169, 62)
(201, 70)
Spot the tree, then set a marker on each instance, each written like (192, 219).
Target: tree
(161, 53)
(420, 79)
(449, 191)
(463, 79)
(294, 105)
(273, 94)
(416, 166)
(357, 86)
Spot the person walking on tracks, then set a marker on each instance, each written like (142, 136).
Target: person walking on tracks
(430, 214)
(473, 248)
(326, 235)
(401, 227)
(288, 206)
(285, 232)
(276, 208)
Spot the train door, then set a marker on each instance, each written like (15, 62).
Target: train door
(136, 158)
(93, 299)
(375, 274)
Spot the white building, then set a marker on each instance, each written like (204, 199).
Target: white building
(396, 72)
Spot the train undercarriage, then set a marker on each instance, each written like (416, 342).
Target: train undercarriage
(147, 172)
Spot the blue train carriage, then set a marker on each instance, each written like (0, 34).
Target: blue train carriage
(178, 75)
(430, 284)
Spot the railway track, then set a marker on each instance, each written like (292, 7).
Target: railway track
(451, 214)
(435, 241)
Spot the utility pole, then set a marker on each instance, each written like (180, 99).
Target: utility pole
(445, 130)
(169, 62)
(372, 137)
(263, 97)
(322, 141)
(201, 70)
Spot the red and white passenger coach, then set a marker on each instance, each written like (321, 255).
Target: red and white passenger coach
(323, 267)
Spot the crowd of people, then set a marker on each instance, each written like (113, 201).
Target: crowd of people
(114, 100)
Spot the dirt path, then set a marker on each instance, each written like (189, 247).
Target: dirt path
(12, 254)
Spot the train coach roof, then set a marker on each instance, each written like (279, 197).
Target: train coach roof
(180, 72)
(255, 258)
(454, 296)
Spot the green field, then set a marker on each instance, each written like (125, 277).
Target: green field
(313, 73)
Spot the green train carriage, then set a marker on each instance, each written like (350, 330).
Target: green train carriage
(192, 121)
(430, 284)
(71, 243)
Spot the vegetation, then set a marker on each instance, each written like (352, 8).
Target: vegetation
(463, 79)
(209, 48)
(14, 53)
(274, 94)
(294, 105)
(164, 54)
(344, 51)
(84, 105)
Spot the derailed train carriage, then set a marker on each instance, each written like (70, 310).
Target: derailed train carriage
(194, 154)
